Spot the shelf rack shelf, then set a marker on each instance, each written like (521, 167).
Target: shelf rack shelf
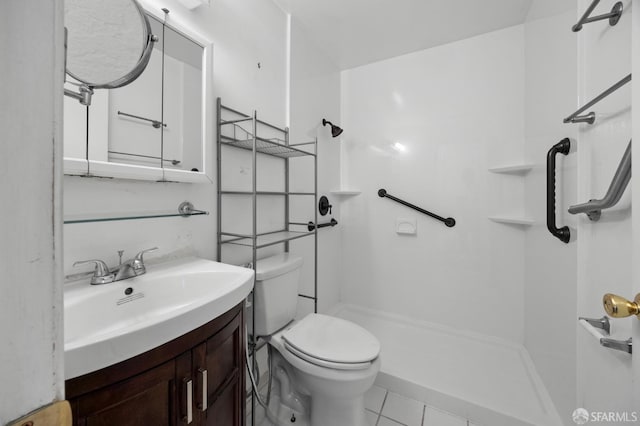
(265, 146)
(264, 240)
(266, 193)
(232, 134)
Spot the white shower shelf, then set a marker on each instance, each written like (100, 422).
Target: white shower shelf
(513, 220)
(516, 169)
(345, 192)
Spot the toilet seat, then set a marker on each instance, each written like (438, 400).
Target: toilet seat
(324, 363)
(331, 342)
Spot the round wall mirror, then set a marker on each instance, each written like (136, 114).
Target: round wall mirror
(109, 43)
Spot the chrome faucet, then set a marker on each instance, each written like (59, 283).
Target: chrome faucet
(131, 268)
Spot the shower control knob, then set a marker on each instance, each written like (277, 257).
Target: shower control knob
(323, 206)
(619, 307)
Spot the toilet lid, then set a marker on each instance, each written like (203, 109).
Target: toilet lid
(332, 340)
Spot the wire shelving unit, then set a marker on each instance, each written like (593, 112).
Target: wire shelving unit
(238, 130)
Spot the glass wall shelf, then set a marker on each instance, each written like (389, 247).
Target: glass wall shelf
(185, 210)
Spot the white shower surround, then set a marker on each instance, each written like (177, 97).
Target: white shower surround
(462, 108)
(459, 110)
(488, 380)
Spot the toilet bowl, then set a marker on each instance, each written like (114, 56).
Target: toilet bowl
(329, 363)
(332, 361)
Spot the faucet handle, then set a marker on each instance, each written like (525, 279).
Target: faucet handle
(141, 254)
(101, 275)
(138, 261)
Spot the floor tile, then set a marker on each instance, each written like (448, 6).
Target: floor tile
(435, 417)
(370, 417)
(404, 410)
(387, 422)
(374, 398)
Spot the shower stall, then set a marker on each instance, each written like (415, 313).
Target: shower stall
(482, 319)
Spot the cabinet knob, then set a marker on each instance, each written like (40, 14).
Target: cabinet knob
(619, 307)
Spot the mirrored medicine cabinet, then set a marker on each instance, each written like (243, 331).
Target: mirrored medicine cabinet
(156, 128)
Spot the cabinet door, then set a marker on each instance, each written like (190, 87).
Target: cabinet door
(222, 357)
(146, 399)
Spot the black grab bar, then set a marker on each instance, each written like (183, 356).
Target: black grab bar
(562, 147)
(450, 222)
(311, 226)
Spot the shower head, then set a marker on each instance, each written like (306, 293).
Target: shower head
(335, 130)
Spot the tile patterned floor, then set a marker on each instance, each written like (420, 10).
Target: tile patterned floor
(385, 408)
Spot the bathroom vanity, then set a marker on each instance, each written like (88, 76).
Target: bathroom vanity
(163, 348)
(197, 379)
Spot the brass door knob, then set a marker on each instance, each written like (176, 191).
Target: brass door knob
(619, 307)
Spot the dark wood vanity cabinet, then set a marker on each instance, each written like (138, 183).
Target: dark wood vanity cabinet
(199, 376)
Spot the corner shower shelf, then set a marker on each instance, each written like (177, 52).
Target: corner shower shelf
(345, 192)
(519, 169)
(184, 210)
(512, 220)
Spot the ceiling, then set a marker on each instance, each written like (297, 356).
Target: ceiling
(358, 32)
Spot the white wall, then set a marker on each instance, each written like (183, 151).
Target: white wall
(550, 266)
(315, 94)
(31, 70)
(605, 247)
(244, 34)
(458, 109)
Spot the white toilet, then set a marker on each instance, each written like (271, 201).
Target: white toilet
(327, 360)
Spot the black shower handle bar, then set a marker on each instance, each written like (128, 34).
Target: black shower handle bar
(311, 226)
(562, 147)
(449, 221)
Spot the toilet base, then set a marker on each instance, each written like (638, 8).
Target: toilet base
(321, 395)
(333, 412)
(283, 415)
(314, 408)
(323, 413)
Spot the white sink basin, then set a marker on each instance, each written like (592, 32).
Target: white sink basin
(109, 323)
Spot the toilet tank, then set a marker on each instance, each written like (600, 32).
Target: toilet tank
(275, 295)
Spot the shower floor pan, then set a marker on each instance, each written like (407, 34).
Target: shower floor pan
(490, 381)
